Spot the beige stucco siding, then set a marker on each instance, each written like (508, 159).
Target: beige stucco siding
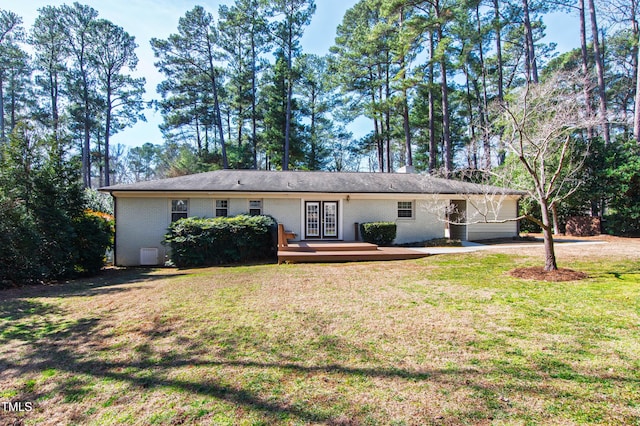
(206, 207)
(143, 222)
(200, 207)
(238, 206)
(423, 226)
(499, 210)
(140, 222)
(286, 211)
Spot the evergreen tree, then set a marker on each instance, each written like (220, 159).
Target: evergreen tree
(317, 101)
(48, 39)
(48, 233)
(273, 106)
(192, 54)
(112, 52)
(10, 32)
(244, 35)
(294, 16)
(78, 22)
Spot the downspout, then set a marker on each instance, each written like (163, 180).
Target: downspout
(517, 214)
(115, 234)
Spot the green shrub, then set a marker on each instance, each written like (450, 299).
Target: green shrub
(45, 230)
(94, 235)
(207, 242)
(625, 223)
(380, 233)
(19, 245)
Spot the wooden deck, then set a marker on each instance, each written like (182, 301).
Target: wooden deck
(336, 251)
(341, 251)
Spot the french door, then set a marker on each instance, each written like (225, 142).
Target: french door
(321, 219)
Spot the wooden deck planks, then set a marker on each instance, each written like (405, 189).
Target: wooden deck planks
(344, 252)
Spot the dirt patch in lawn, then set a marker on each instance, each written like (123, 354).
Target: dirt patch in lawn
(539, 274)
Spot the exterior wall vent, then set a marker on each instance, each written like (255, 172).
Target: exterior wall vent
(148, 256)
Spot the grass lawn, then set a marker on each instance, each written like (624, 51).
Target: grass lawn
(444, 340)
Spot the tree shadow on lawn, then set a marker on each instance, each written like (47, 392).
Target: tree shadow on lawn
(24, 317)
(56, 355)
(156, 370)
(107, 282)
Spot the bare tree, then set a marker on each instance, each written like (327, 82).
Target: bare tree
(541, 127)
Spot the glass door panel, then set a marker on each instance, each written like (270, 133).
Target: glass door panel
(330, 216)
(312, 220)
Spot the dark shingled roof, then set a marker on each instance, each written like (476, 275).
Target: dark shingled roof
(304, 182)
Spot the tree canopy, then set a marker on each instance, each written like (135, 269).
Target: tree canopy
(239, 91)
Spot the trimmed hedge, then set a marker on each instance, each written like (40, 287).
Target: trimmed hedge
(94, 236)
(207, 242)
(379, 233)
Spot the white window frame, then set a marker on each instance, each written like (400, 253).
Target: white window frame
(257, 203)
(179, 211)
(218, 205)
(401, 206)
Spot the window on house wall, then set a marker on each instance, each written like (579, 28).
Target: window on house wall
(179, 209)
(255, 207)
(222, 208)
(405, 209)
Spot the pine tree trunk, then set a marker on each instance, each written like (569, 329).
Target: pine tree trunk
(636, 113)
(405, 105)
(107, 127)
(53, 87)
(497, 27)
(446, 135)
(484, 106)
(532, 67)
(433, 147)
(600, 70)
(216, 106)
(254, 131)
(387, 118)
(448, 150)
(2, 125)
(376, 127)
(585, 67)
(86, 147)
(407, 130)
(472, 159)
(287, 125)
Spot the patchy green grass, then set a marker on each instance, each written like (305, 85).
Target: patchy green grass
(443, 340)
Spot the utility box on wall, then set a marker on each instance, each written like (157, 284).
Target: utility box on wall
(149, 256)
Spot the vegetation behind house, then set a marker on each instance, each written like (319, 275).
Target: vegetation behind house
(47, 231)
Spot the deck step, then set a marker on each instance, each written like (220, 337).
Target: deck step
(379, 254)
(328, 246)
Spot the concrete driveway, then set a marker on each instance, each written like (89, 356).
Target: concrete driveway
(468, 246)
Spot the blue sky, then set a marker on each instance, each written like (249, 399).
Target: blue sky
(146, 19)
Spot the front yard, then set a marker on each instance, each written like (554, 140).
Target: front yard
(449, 339)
